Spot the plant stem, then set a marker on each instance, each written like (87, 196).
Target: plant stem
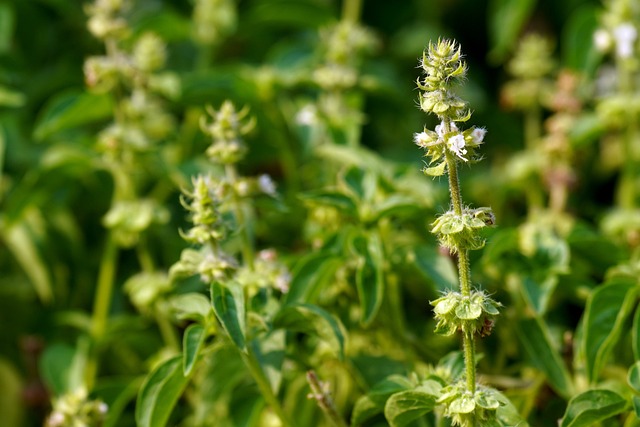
(247, 244)
(102, 304)
(464, 269)
(351, 10)
(265, 388)
(324, 399)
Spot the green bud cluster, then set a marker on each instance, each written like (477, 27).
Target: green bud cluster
(530, 67)
(75, 409)
(107, 18)
(461, 232)
(473, 314)
(226, 129)
(203, 205)
(466, 409)
(213, 20)
(443, 66)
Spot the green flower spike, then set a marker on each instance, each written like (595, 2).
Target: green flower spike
(227, 129)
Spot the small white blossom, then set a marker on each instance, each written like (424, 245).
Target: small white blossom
(307, 116)
(421, 139)
(625, 36)
(456, 145)
(103, 408)
(478, 135)
(56, 419)
(602, 40)
(266, 184)
(440, 129)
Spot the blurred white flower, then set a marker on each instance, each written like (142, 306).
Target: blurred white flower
(625, 36)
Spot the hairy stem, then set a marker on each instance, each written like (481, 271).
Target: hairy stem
(325, 402)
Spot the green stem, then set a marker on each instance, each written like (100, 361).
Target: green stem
(102, 304)
(265, 388)
(247, 245)
(464, 270)
(351, 10)
(325, 402)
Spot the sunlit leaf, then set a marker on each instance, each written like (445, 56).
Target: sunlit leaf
(406, 406)
(592, 406)
(159, 393)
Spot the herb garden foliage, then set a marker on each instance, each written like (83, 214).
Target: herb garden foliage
(213, 213)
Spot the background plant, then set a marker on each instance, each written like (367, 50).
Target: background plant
(349, 221)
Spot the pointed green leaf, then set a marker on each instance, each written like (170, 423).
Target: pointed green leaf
(537, 342)
(406, 406)
(228, 304)
(55, 367)
(607, 310)
(373, 403)
(313, 320)
(507, 413)
(310, 275)
(192, 342)
(592, 406)
(159, 393)
(395, 205)
(369, 275)
(70, 110)
(191, 306)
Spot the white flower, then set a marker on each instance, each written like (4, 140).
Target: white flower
(56, 419)
(478, 135)
(307, 116)
(440, 129)
(602, 40)
(421, 139)
(266, 184)
(456, 145)
(625, 35)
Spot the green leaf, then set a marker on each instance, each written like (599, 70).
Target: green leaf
(70, 110)
(313, 320)
(406, 406)
(55, 366)
(437, 170)
(506, 19)
(7, 26)
(159, 393)
(369, 275)
(578, 50)
(536, 340)
(437, 268)
(191, 306)
(269, 350)
(361, 184)
(311, 274)
(117, 393)
(635, 334)
(607, 310)
(373, 402)
(633, 376)
(592, 406)
(192, 342)
(18, 238)
(507, 413)
(395, 205)
(635, 401)
(334, 199)
(228, 304)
